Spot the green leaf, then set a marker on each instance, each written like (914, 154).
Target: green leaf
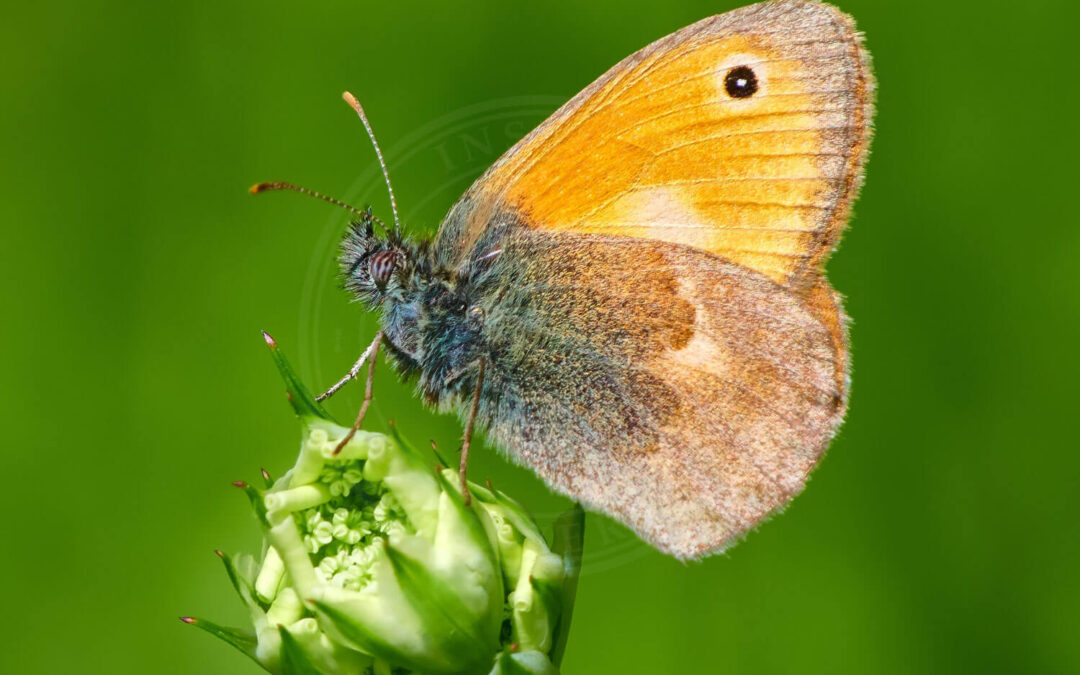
(569, 542)
(301, 399)
(242, 640)
(294, 660)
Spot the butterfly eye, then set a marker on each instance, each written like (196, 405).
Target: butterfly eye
(740, 82)
(382, 266)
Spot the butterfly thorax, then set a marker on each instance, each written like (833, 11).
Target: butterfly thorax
(430, 324)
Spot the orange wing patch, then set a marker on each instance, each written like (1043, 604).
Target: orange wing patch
(658, 149)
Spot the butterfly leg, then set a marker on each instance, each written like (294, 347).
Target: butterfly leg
(353, 372)
(374, 349)
(466, 439)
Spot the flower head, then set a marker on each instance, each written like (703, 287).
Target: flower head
(374, 563)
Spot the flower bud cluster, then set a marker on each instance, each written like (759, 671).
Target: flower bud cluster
(375, 564)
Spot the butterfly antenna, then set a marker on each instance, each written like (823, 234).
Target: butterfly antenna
(355, 105)
(285, 185)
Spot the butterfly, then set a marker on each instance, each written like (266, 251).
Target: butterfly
(632, 299)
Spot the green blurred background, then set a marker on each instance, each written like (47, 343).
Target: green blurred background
(939, 536)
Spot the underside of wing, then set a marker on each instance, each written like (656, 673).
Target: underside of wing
(676, 391)
(743, 135)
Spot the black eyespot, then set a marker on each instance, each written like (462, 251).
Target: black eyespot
(740, 82)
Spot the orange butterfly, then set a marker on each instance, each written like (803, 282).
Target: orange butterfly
(631, 299)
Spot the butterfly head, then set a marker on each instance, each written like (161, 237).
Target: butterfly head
(378, 266)
(431, 317)
(388, 272)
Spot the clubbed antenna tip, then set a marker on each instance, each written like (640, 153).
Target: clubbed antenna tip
(355, 105)
(272, 185)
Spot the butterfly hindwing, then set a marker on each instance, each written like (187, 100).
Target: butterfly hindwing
(663, 385)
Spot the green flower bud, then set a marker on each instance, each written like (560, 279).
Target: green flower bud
(375, 564)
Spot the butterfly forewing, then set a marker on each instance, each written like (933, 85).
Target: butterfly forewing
(657, 148)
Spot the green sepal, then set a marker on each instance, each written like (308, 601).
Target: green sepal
(294, 660)
(396, 435)
(523, 663)
(472, 521)
(519, 518)
(440, 606)
(361, 637)
(569, 543)
(242, 585)
(482, 493)
(550, 596)
(258, 504)
(415, 457)
(244, 641)
(467, 514)
(303, 403)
